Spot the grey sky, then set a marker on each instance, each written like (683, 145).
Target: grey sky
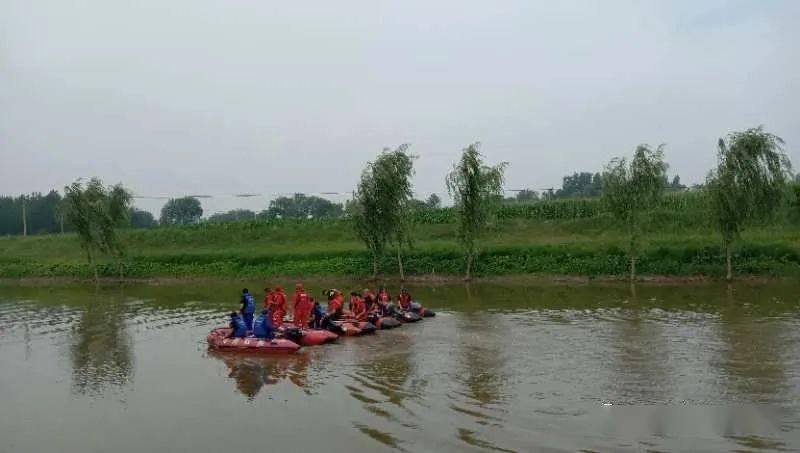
(198, 96)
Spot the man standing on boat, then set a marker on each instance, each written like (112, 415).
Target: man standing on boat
(302, 307)
(277, 305)
(248, 308)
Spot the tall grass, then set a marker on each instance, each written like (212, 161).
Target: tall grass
(553, 237)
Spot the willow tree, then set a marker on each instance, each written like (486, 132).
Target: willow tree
(95, 211)
(748, 183)
(477, 190)
(631, 188)
(381, 204)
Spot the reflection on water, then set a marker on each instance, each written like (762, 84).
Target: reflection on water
(503, 368)
(381, 383)
(483, 388)
(252, 372)
(101, 349)
(641, 356)
(753, 352)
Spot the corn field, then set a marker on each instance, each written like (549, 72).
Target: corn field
(566, 209)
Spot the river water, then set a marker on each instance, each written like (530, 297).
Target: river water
(503, 367)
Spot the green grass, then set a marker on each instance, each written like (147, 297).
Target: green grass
(677, 243)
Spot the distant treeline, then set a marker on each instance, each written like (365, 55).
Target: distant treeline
(39, 214)
(577, 198)
(582, 185)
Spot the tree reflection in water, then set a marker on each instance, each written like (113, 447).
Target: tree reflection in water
(485, 392)
(386, 373)
(481, 342)
(101, 351)
(640, 356)
(382, 383)
(754, 351)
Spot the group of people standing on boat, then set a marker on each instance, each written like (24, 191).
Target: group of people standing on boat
(309, 313)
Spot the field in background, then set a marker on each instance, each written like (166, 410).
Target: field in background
(563, 237)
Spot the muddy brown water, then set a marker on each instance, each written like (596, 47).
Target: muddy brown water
(503, 367)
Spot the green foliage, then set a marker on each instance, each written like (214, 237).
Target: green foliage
(476, 189)
(748, 183)
(235, 215)
(141, 219)
(420, 210)
(678, 258)
(630, 189)
(673, 186)
(181, 211)
(96, 211)
(581, 185)
(677, 238)
(41, 211)
(527, 195)
(382, 203)
(433, 202)
(301, 206)
(571, 208)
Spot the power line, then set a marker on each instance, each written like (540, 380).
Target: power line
(280, 194)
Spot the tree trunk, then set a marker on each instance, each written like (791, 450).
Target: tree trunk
(24, 219)
(94, 269)
(90, 258)
(400, 265)
(468, 275)
(729, 276)
(632, 248)
(374, 265)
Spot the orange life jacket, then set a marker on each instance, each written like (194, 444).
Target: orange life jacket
(358, 307)
(405, 300)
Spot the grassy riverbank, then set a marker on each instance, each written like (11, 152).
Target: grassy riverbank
(673, 244)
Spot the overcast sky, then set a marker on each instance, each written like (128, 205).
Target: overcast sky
(221, 97)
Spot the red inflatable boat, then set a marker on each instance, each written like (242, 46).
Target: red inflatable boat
(218, 339)
(310, 337)
(347, 328)
(387, 322)
(422, 311)
(408, 316)
(351, 327)
(366, 327)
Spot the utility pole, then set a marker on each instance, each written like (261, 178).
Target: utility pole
(24, 218)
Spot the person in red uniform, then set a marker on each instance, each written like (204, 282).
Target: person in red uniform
(383, 299)
(278, 306)
(369, 300)
(383, 296)
(268, 298)
(335, 304)
(302, 307)
(404, 300)
(358, 307)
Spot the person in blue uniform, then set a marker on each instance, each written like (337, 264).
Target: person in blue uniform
(238, 329)
(318, 316)
(248, 308)
(263, 326)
